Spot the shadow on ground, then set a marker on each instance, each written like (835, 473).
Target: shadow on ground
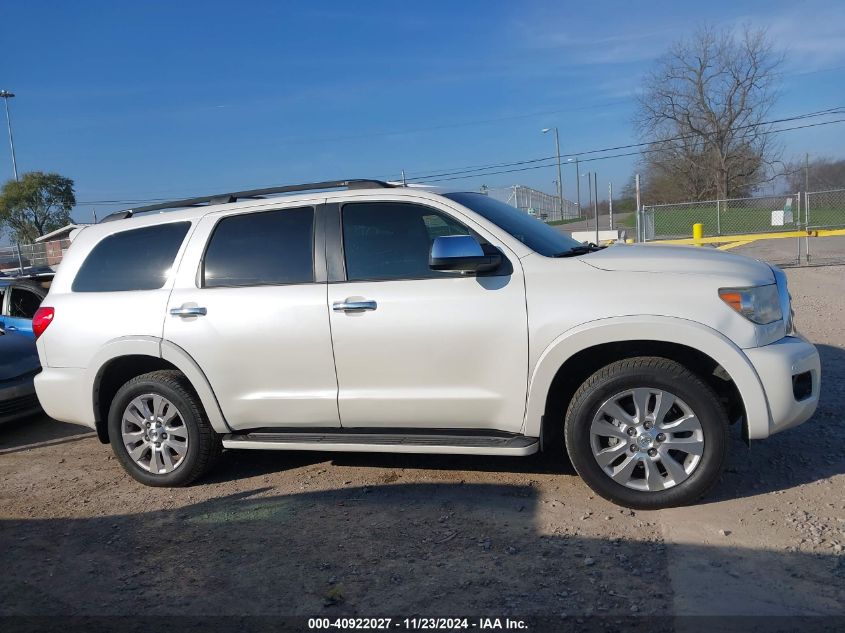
(440, 549)
(38, 428)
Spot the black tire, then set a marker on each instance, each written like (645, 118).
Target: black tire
(652, 372)
(204, 445)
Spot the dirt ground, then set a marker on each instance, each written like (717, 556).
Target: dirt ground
(331, 534)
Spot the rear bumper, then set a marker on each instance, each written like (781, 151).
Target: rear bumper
(64, 395)
(791, 402)
(17, 399)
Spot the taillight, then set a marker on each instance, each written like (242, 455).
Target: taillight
(43, 317)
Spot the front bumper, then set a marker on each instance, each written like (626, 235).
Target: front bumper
(783, 367)
(18, 399)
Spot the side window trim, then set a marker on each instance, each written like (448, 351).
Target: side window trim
(317, 235)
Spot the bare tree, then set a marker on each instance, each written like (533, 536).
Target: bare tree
(705, 108)
(821, 174)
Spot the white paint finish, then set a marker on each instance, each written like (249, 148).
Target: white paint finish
(692, 260)
(178, 357)
(648, 328)
(84, 322)
(776, 364)
(376, 448)
(436, 353)
(66, 395)
(565, 293)
(265, 350)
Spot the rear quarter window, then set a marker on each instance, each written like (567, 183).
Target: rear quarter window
(137, 259)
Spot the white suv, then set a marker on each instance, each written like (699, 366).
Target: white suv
(361, 316)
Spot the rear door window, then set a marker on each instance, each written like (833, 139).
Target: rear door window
(268, 248)
(137, 259)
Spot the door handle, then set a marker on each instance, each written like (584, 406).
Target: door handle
(188, 312)
(354, 306)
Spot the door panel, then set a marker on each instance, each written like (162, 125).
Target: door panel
(441, 350)
(264, 341)
(266, 352)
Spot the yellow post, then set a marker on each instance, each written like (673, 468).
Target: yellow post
(697, 233)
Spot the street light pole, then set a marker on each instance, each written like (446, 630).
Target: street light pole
(6, 95)
(559, 170)
(596, 204)
(578, 184)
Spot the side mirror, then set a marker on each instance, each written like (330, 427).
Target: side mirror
(462, 253)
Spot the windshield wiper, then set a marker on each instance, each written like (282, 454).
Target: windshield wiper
(581, 249)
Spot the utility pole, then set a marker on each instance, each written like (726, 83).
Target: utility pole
(610, 202)
(806, 172)
(596, 204)
(559, 170)
(578, 185)
(637, 188)
(589, 176)
(6, 95)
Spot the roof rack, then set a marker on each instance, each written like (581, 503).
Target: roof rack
(223, 198)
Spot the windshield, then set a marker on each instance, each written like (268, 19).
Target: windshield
(534, 233)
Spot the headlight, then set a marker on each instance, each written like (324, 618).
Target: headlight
(760, 304)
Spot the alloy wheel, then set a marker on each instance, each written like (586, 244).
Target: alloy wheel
(647, 439)
(154, 433)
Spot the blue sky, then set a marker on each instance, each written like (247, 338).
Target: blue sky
(139, 100)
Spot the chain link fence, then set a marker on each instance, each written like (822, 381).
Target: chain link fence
(761, 216)
(539, 204)
(739, 216)
(825, 210)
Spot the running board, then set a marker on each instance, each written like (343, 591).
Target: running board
(385, 443)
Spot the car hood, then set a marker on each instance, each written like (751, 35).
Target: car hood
(700, 260)
(18, 355)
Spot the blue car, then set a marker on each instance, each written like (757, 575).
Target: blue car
(19, 299)
(18, 366)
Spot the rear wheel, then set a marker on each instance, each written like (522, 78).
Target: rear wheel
(159, 431)
(647, 433)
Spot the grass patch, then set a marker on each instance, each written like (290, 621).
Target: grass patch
(734, 220)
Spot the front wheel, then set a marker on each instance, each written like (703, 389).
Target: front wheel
(647, 433)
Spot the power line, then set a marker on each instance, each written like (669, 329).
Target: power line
(589, 160)
(836, 110)
(481, 171)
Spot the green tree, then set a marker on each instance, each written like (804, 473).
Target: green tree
(35, 205)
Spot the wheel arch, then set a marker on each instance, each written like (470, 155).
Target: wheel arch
(123, 359)
(576, 354)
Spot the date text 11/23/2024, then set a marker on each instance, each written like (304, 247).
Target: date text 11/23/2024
(416, 624)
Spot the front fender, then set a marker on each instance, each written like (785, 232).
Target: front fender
(647, 328)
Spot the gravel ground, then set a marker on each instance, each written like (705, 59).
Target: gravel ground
(332, 534)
